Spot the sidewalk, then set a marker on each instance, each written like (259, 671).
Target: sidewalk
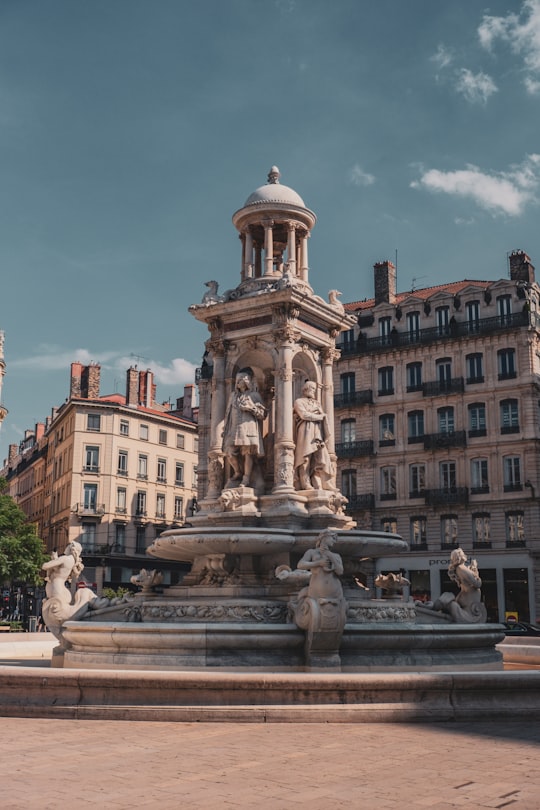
(120, 765)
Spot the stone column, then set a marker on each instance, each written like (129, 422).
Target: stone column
(215, 454)
(268, 248)
(242, 238)
(258, 260)
(284, 439)
(303, 270)
(328, 355)
(248, 255)
(291, 248)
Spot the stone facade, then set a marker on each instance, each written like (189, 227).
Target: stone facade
(112, 472)
(438, 428)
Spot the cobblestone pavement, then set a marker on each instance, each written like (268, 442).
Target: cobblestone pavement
(48, 764)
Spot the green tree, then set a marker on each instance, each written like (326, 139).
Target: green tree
(21, 550)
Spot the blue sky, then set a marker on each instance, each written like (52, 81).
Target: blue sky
(131, 130)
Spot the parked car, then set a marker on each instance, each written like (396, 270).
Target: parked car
(521, 629)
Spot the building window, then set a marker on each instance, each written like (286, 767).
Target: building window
(475, 370)
(415, 421)
(512, 473)
(140, 539)
(449, 531)
(180, 441)
(473, 316)
(195, 477)
(385, 327)
(348, 431)
(445, 417)
(418, 531)
(93, 422)
(124, 427)
(386, 429)
(162, 470)
(121, 500)
(413, 326)
(509, 416)
(142, 467)
(414, 377)
(141, 503)
(447, 475)
(90, 497)
(477, 419)
(143, 432)
(444, 373)
(195, 444)
(506, 364)
(88, 537)
(417, 480)
(347, 339)
(388, 483)
(481, 529)
(120, 538)
(160, 505)
(122, 462)
(442, 316)
(515, 531)
(179, 474)
(479, 476)
(386, 380)
(91, 459)
(348, 382)
(504, 309)
(348, 483)
(178, 508)
(389, 525)
(163, 437)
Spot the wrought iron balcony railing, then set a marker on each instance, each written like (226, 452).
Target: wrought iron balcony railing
(354, 449)
(439, 388)
(89, 510)
(483, 326)
(447, 495)
(353, 398)
(360, 502)
(439, 441)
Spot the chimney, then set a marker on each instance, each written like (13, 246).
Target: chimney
(12, 452)
(132, 387)
(146, 388)
(521, 268)
(187, 401)
(39, 431)
(75, 384)
(90, 381)
(385, 282)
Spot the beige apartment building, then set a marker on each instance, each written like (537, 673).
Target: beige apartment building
(437, 404)
(110, 471)
(3, 410)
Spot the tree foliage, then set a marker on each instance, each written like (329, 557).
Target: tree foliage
(21, 550)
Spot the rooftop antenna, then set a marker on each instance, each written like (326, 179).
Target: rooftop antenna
(415, 279)
(138, 357)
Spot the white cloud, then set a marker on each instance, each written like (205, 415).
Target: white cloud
(442, 57)
(358, 177)
(522, 32)
(475, 87)
(55, 358)
(464, 220)
(499, 192)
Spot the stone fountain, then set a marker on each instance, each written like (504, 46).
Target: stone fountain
(281, 579)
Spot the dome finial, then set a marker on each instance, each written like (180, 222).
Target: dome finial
(274, 174)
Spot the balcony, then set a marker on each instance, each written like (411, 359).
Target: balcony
(359, 503)
(354, 449)
(86, 511)
(353, 398)
(440, 388)
(398, 340)
(440, 441)
(446, 495)
(90, 468)
(481, 545)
